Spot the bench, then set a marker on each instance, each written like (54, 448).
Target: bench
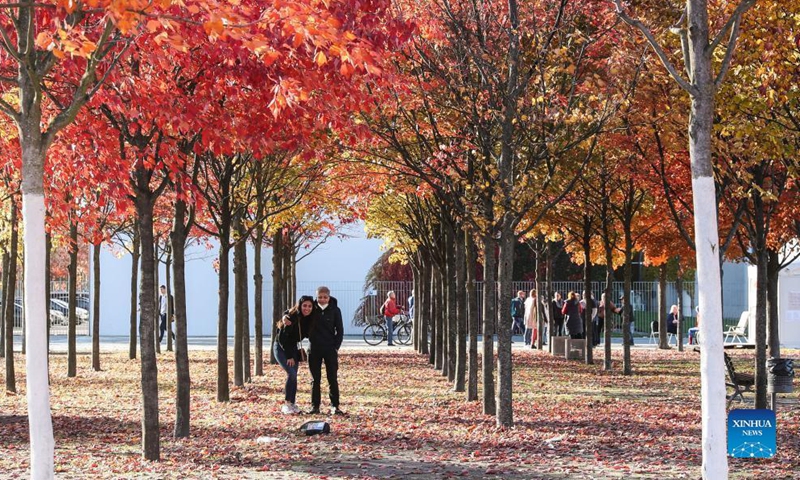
(739, 382)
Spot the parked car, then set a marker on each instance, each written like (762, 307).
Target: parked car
(56, 318)
(82, 299)
(81, 314)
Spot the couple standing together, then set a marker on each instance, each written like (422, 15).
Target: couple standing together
(320, 321)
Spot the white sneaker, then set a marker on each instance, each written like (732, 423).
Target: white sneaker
(287, 409)
(295, 408)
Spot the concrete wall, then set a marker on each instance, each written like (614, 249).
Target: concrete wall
(337, 261)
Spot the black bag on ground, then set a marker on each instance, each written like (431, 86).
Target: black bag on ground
(315, 427)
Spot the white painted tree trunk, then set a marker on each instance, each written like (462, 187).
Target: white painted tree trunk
(712, 370)
(706, 239)
(38, 389)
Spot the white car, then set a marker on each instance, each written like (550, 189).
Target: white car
(57, 319)
(81, 314)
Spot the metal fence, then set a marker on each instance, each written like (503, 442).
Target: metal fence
(59, 303)
(358, 304)
(644, 300)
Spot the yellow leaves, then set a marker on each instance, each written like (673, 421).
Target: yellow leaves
(320, 59)
(63, 43)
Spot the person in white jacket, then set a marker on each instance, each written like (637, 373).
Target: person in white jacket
(531, 319)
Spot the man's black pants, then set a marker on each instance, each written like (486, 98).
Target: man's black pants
(331, 359)
(162, 328)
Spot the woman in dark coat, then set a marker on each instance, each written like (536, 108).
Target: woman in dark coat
(558, 317)
(572, 316)
(285, 348)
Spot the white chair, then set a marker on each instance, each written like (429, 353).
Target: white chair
(739, 331)
(654, 334)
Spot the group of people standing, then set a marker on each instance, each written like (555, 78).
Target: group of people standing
(320, 321)
(567, 315)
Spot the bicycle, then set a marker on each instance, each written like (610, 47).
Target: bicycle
(375, 332)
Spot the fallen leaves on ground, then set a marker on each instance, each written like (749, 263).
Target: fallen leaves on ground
(403, 420)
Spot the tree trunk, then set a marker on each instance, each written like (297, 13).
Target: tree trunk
(242, 307)
(286, 263)
(182, 397)
(550, 294)
(451, 284)
(4, 293)
(421, 315)
(239, 277)
(47, 287)
(277, 294)
(773, 330)
(472, 317)
(627, 335)
(8, 301)
(170, 306)
(439, 315)
(430, 312)
(155, 299)
(151, 449)
(587, 291)
(72, 361)
(415, 275)
(679, 289)
(489, 316)
(608, 313)
(663, 340)
(293, 276)
(540, 317)
(136, 252)
(223, 389)
(505, 412)
(760, 322)
(460, 313)
(258, 308)
(712, 369)
(96, 307)
(42, 444)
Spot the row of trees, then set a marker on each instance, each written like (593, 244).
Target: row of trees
(550, 121)
(495, 123)
(196, 118)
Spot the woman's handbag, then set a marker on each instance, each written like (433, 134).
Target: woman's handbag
(302, 356)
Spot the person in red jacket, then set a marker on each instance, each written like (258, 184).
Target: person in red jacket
(389, 310)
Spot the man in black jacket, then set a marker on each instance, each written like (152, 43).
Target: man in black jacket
(325, 337)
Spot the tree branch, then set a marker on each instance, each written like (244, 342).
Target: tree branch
(80, 97)
(656, 47)
(735, 18)
(9, 110)
(726, 61)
